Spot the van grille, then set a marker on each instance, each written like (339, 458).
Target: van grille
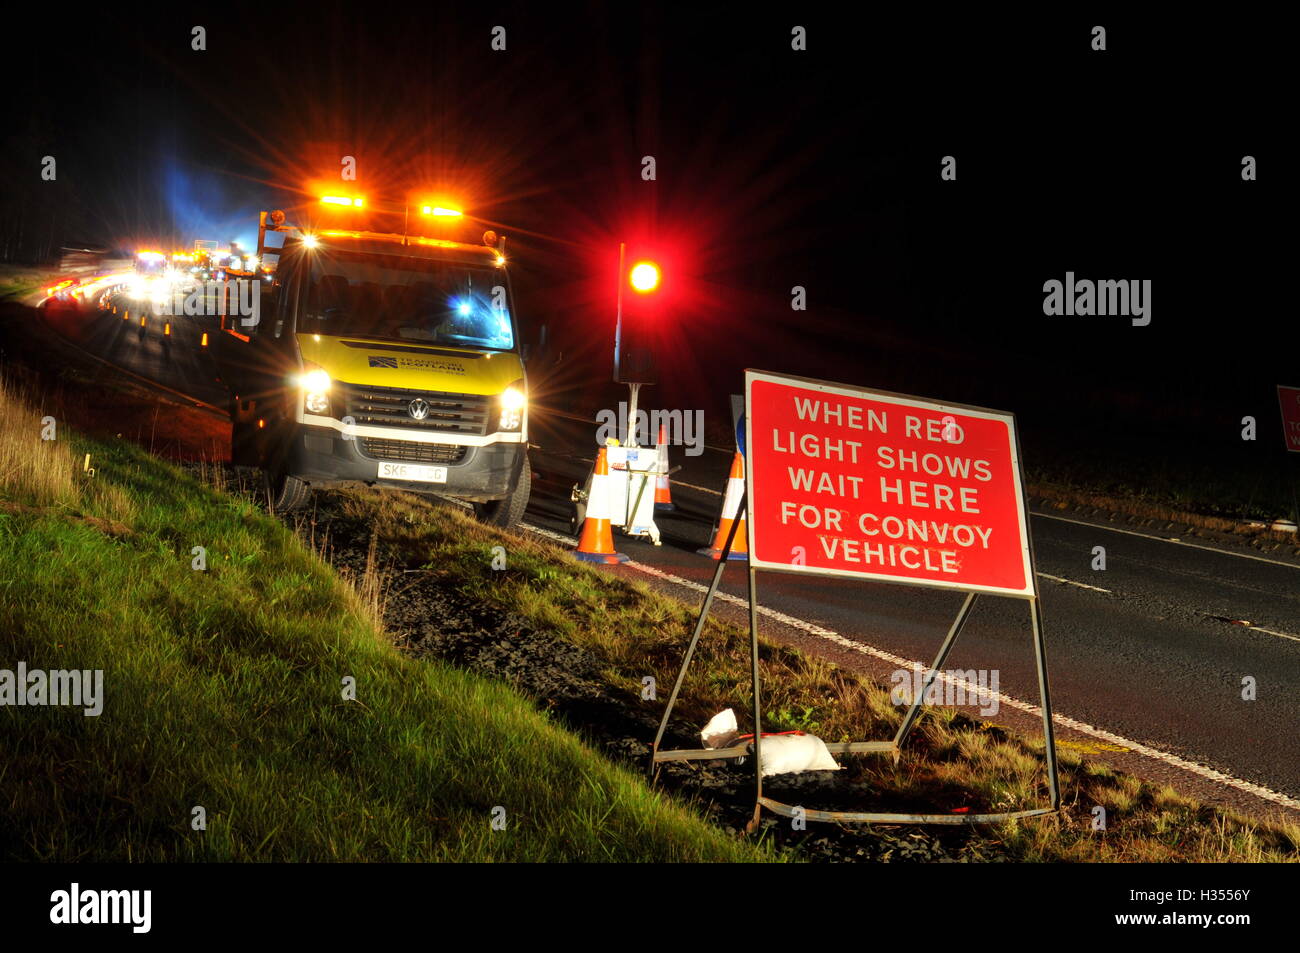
(390, 407)
(408, 451)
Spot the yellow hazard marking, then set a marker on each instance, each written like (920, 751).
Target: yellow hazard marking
(1083, 747)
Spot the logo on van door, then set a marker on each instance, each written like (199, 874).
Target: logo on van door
(418, 409)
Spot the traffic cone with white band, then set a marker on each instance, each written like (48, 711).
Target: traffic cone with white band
(663, 491)
(596, 544)
(730, 514)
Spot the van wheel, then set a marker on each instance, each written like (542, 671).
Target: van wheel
(286, 493)
(506, 513)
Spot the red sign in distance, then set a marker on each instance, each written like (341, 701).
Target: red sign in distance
(849, 481)
(1289, 398)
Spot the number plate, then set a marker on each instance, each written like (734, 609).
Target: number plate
(412, 471)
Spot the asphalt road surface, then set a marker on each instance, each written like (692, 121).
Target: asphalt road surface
(1149, 655)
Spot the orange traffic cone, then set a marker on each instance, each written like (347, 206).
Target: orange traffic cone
(730, 510)
(596, 544)
(663, 490)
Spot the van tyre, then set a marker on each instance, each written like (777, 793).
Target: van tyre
(286, 493)
(505, 514)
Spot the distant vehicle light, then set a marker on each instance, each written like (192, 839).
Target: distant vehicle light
(644, 277)
(440, 210)
(311, 241)
(462, 309)
(501, 260)
(342, 200)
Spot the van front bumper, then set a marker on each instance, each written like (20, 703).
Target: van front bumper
(322, 457)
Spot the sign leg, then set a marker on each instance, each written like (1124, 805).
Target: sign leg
(695, 636)
(953, 631)
(758, 719)
(1045, 696)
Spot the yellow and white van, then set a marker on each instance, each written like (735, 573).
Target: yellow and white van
(384, 359)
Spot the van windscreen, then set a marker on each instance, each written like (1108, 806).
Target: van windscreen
(396, 298)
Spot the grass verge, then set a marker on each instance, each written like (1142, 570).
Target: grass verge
(223, 690)
(952, 762)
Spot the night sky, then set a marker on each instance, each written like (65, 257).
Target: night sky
(775, 168)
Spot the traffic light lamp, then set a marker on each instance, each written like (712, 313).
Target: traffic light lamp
(644, 277)
(638, 321)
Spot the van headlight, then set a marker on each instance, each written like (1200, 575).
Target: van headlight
(315, 383)
(513, 404)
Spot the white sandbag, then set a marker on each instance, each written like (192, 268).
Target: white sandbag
(786, 754)
(782, 754)
(721, 731)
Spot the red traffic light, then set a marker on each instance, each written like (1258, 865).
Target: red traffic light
(644, 277)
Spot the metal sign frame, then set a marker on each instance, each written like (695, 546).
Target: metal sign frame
(893, 746)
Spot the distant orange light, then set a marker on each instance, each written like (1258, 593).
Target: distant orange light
(440, 210)
(204, 342)
(644, 277)
(341, 200)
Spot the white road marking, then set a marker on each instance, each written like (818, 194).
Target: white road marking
(1282, 635)
(1071, 582)
(1065, 721)
(1166, 539)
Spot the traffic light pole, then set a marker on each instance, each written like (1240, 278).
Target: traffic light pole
(632, 391)
(632, 388)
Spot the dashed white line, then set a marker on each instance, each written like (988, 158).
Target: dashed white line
(1071, 582)
(1066, 721)
(1280, 635)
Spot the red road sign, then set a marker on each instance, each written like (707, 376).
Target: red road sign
(850, 481)
(1289, 398)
